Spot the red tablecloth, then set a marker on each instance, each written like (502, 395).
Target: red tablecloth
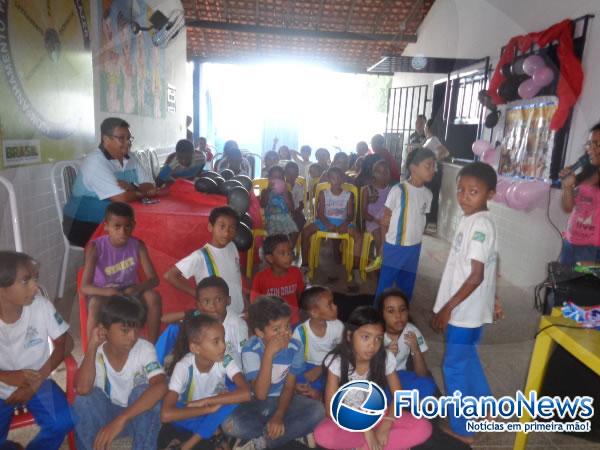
(173, 228)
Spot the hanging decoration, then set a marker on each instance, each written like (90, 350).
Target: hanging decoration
(529, 74)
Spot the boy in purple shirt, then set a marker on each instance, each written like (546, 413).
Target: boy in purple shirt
(111, 268)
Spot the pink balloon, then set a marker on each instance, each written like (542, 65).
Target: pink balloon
(512, 200)
(543, 76)
(533, 63)
(490, 156)
(278, 185)
(528, 89)
(501, 188)
(528, 195)
(480, 146)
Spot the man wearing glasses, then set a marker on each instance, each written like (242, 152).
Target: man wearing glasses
(109, 174)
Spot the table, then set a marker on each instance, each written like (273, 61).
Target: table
(173, 228)
(582, 343)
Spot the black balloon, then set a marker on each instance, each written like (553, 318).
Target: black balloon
(239, 199)
(227, 185)
(219, 180)
(209, 174)
(227, 174)
(506, 70)
(206, 185)
(516, 69)
(485, 99)
(246, 219)
(509, 89)
(245, 180)
(243, 237)
(492, 119)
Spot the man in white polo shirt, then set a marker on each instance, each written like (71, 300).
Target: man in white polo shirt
(110, 173)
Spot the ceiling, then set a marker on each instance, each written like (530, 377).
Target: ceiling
(349, 35)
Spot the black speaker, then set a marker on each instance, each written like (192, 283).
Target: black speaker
(565, 285)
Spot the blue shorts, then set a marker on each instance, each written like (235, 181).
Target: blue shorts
(337, 222)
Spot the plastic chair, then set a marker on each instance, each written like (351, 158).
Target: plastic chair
(62, 178)
(346, 238)
(14, 213)
(144, 159)
(23, 418)
(154, 163)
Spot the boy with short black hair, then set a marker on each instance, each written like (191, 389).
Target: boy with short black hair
(319, 335)
(465, 300)
(212, 298)
(280, 279)
(120, 382)
(218, 257)
(112, 264)
(272, 360)
(185, 163)
(27, 320)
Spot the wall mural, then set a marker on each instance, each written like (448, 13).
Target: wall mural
(131, 69)
(46, 81)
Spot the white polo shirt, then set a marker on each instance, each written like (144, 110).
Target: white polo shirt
(403, 348)
(24, 343)
(409, 205)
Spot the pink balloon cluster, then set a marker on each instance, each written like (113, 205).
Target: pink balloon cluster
(541, 76)
(486, 151)
(522, 195)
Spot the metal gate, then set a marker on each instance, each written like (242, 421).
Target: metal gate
(403, 106)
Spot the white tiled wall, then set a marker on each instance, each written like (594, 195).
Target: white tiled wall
(526, 240)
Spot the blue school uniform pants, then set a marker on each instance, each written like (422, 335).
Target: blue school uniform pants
(399, 268)
(410, 380)
(51, 411)
(95, 410)
(463, 371)
(205, 426)
(318, 384)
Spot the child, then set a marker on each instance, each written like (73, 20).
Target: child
(218, 257)
(335, 212)
(272, 360)
(184, 163)
(362, 356)
(581, 200)
(403, 224)
(277, 201)
(212, 298)
(315, 172)
(233, 160)
(402, 338)
(465, 300)
(27, 320)
(198, 399)
(302, 159)
(319, 335)
(323, 158)
(373, 201)
(120, 382)
(271, 159)
(111, 267)
(284, 153)
(291, 178)
(280, 278)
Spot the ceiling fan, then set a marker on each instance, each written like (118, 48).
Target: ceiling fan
(164, 29)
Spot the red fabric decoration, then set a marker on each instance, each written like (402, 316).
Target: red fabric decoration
(570, 81)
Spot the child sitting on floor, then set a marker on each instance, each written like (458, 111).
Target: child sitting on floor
(112, 264)
(361, 356)
(218, 257)
(404, 339)
(278, 204)
(120, 382)
(403, 224)
(212, 298)
(27, 320)
(198, 399)
(272, 360)
(319, 335)
(280, 279)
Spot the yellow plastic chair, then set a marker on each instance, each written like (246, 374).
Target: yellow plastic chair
(347, 240)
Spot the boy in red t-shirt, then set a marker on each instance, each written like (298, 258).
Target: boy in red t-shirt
(280, 278)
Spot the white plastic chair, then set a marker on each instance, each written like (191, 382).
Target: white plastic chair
(14, 213)
(62, 177)
(154, 162)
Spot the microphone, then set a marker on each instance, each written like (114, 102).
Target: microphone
(583, 160)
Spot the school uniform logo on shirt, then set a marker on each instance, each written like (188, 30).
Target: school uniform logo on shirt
(150, 367)
(58, 318)
(479, 236)
(31, 337)
(458, 242)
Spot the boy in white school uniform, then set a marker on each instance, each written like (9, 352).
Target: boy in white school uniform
(219, 257)
(27, 320)
(120, 381)
(467, 292)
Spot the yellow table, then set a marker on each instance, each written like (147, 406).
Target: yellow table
(584, 344)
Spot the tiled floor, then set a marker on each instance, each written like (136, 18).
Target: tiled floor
(505, 349)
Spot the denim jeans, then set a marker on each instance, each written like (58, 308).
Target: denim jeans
(249, 420)
(51, 411)
(95, 410)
